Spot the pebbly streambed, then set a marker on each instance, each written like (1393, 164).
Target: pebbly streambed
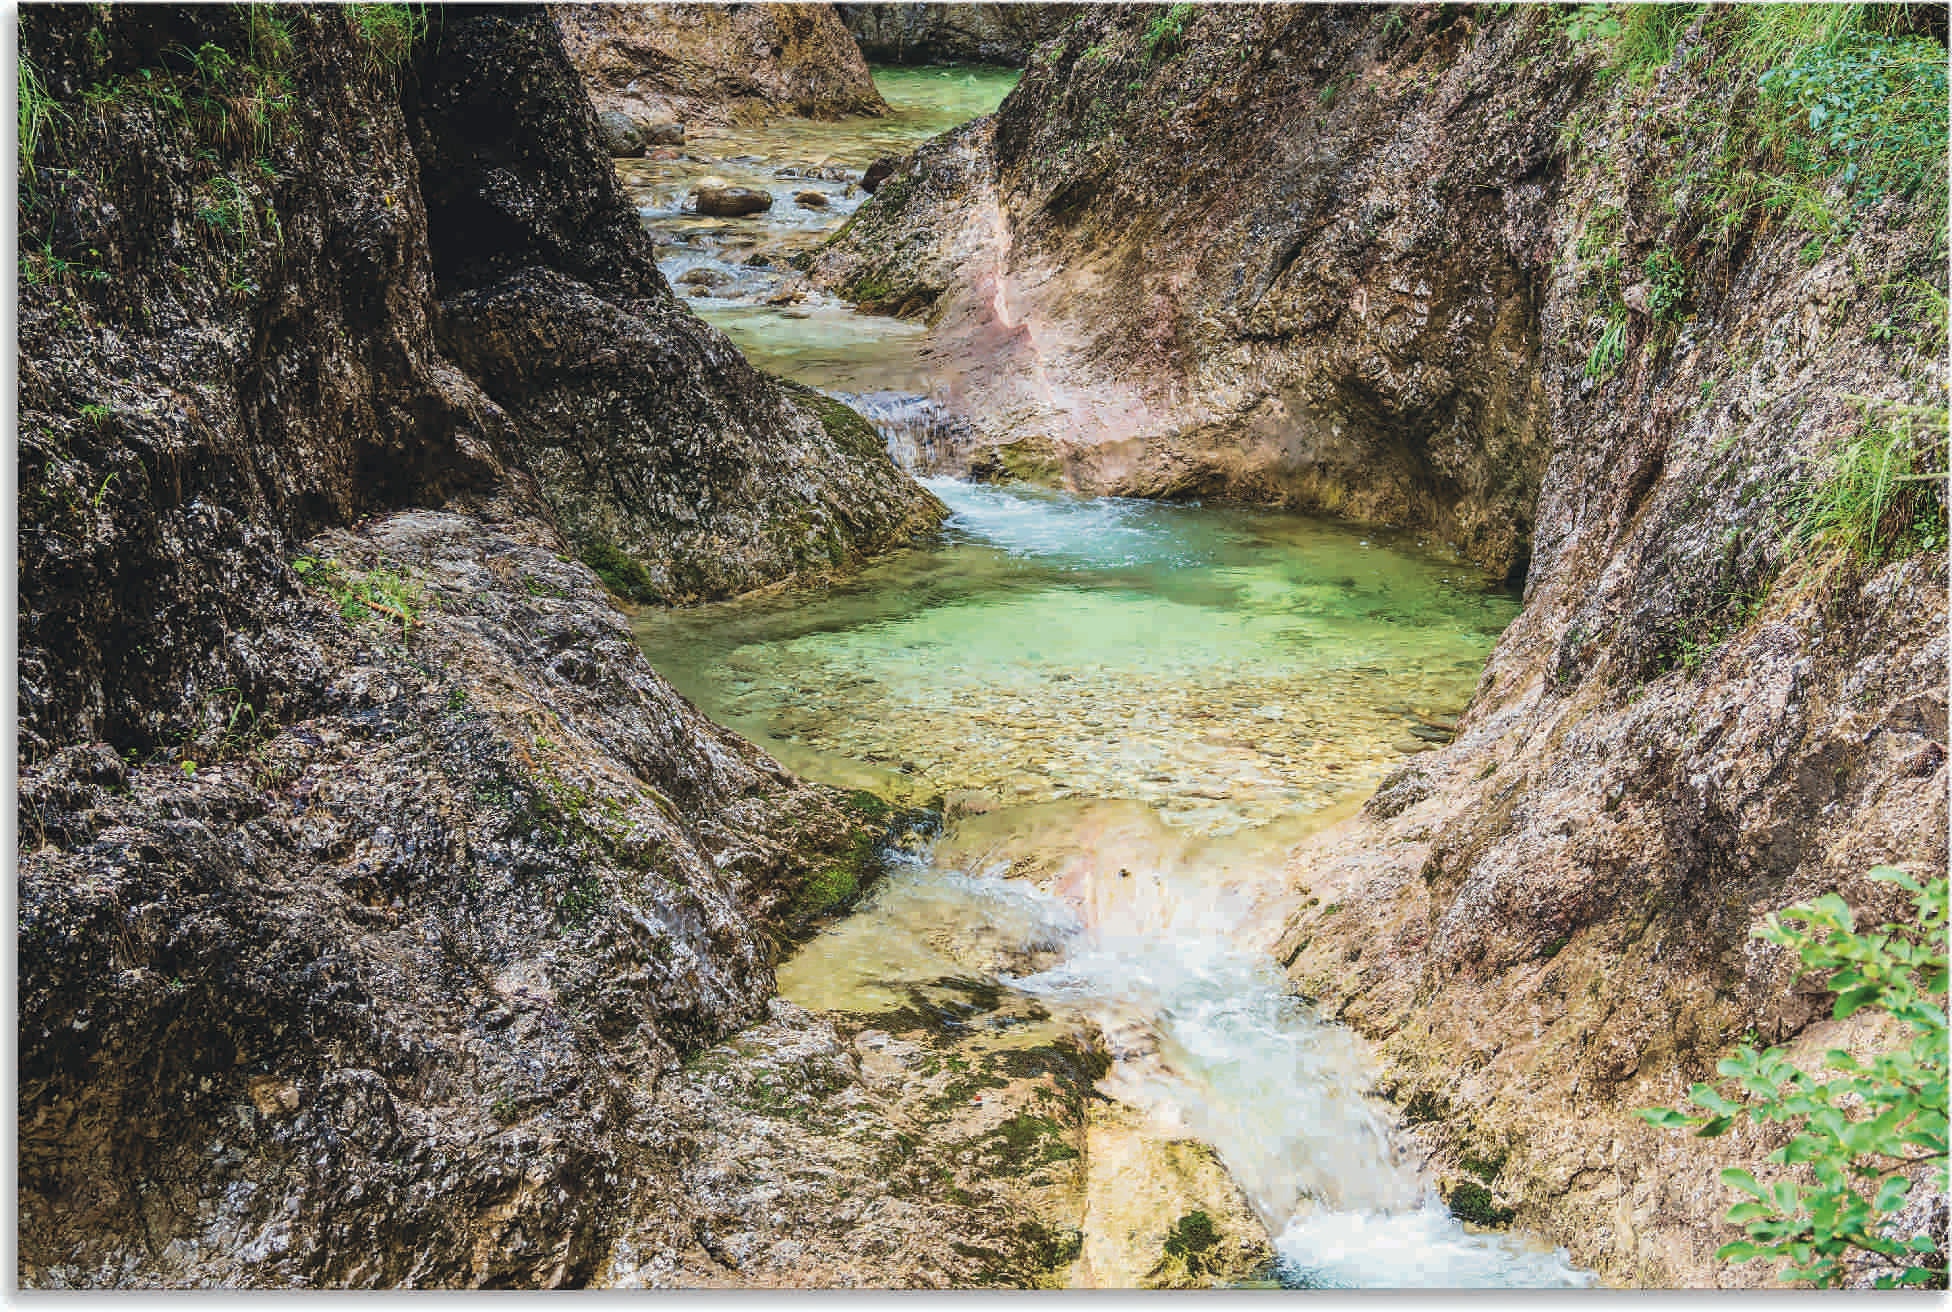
(1130, 712)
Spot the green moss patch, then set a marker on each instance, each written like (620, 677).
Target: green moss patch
(624, 575)
(1472, 1202)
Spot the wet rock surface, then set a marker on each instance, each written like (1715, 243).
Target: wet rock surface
(652, 439)
(731, 202)
(717, 63)
(377, 994)
(621, 136)
(902, 1150)
(369, 877)
(955, 33)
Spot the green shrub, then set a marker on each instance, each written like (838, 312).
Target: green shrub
(1861, 1137)
(1877, 103)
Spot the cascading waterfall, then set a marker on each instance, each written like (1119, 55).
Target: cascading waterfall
(923, 436)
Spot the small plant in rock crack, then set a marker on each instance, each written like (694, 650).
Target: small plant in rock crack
(359, 596)
(1610, 349)
(1882, 492)
(1667, 282)
(1164, 33)
(1866, 1139)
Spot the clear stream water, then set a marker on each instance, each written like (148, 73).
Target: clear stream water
(1133, 710)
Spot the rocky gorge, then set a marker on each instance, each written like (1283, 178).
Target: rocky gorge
(431, 627)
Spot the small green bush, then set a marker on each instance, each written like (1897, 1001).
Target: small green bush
(1877, 103)
(1860, 1138)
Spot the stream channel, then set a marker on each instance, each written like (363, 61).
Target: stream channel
(1132, 710)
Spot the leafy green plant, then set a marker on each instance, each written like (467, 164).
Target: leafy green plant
(1862, 1138)
(1667, 282)
(360, 596)
(1877, 103)
(1164, 33)
(1610, 349)
(1883, 492)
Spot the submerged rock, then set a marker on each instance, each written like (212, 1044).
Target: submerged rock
(813, 200)
(621, 135)
(731, 202)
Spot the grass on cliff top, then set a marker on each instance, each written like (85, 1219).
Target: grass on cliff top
(1817, 113)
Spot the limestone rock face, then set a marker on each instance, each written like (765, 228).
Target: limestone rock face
(718, 63)
(368, 876)
(955, 33)
(1363, 262)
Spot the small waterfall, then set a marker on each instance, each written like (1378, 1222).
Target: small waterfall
(923, 436)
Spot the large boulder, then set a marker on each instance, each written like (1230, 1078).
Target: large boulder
(704, 63)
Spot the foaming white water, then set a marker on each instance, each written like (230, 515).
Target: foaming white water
(1420, 1249)
(1208, 1043)
(1064, 530)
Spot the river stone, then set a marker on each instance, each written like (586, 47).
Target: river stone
(731, 202)
(704, 276)
(664, 132)
(812, 200)
(878, 172)
(620, 134)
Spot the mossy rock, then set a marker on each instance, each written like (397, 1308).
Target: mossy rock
(844, 427)
(623, 574)
(828, 891)
(1471, 1202)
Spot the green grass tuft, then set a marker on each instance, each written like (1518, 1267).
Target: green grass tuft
(389, 31)
(1882, 494)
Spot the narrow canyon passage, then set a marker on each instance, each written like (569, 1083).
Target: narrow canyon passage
(1130, 712)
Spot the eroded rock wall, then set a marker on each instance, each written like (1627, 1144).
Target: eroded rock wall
(1272, 254)
(954, 33)
(718, 63)
(1368, 261)
(368, 876)
(650, 436)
